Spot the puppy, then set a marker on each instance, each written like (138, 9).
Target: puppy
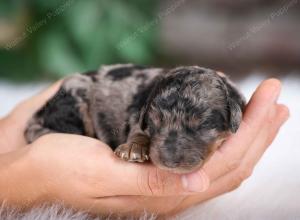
(175, 117)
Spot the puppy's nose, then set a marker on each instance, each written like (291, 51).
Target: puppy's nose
(171, 164)
(184, 163)
(180, 160)
(185, 166)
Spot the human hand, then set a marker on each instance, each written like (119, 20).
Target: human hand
(142, 180)
(235, 161)
(13, 149)
(137, 187)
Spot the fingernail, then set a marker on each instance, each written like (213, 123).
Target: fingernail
(195, 182)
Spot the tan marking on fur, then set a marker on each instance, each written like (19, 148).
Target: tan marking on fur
(221, 74)
(87, 120)
(216, 144)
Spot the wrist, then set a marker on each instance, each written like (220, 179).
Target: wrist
(20, 182)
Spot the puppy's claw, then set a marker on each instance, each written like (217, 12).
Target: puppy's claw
(124, 156)
(132, 152)
(121, 152)
(146, 157)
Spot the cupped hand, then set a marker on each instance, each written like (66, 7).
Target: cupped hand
(84, 173)
(235, 160)
(80, 171)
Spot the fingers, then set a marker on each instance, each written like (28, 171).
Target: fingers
(258, 147)
(266, 136)
(154, 182)
(147, 180)
(228, 157)
(16, 121)
(233, 179)
(28, 107)
(282, 116)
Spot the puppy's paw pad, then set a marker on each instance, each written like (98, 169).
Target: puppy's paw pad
(132, 152)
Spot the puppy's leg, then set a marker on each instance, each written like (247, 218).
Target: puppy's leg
(136, 149)
(65, 112)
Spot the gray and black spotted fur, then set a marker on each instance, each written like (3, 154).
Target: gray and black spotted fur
(176, 117)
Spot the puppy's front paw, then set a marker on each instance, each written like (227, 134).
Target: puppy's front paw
(132, 152)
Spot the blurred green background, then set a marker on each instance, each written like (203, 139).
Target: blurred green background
(45, 40)
(49, 39)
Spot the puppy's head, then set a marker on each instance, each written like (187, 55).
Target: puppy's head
(190, 113)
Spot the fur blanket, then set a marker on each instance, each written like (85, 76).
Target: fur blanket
(57, 212)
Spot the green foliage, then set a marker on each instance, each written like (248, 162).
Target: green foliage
(56, 38)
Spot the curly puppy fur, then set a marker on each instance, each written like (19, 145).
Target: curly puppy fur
(178, 117)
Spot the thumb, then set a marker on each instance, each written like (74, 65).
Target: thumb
(148, 180)
(28, 107)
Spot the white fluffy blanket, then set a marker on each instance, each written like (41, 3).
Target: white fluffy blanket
(58, 212)
(272, 192)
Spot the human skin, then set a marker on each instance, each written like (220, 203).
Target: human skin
(84, 173)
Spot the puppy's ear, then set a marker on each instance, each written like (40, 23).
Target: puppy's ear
(236, 105)
(148, 102)
(235, 114)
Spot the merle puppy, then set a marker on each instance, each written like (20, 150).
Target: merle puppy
(176, 117)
